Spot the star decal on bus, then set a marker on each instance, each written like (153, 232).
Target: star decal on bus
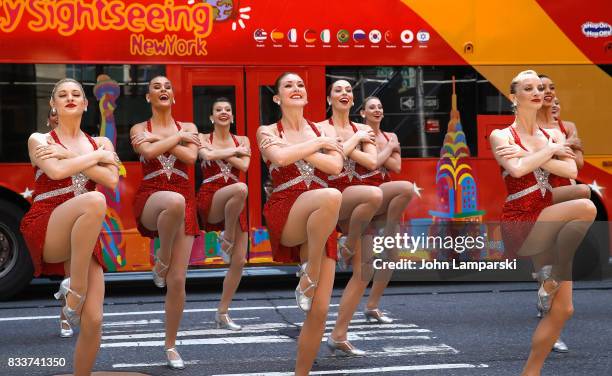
(596, 188)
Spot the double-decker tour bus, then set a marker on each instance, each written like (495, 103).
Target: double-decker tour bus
(441, 69)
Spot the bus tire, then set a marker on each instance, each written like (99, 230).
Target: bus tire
(16, 270)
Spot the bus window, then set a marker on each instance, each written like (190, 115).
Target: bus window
(25, 90)
(417, 102)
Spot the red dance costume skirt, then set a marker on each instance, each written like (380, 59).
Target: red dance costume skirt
(172, 177)
(217, 174)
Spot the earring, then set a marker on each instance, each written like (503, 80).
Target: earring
(48, 125)
(54, 111)
(85, 109)
(148, 100)
(173, 101)
(212, 121)
(278, 102)
(363, 116)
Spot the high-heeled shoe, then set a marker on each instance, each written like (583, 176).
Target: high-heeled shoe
(71, 315)
(344, 347)
(224, 321)
(225, 253)
(304, 302)
(376, 315)
(545, 298)
(560, 347)
(344, 254)
(65, 329)
(176, 363)
(158, 280)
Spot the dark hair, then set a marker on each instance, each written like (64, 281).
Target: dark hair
(220, 99)
(365, 101)
(158, 76)
(331, 85)
(279, 79)
(544, 76)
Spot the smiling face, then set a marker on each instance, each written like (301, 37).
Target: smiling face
(556, 108)
(291, 91)
(160, 92)
(222, 113)
(68, 99)
(341, 95)
(549, 91)
(529, 92)
(373, 112)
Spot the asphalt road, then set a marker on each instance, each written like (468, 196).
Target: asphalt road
(439, 329)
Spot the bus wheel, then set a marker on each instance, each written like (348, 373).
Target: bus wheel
(16, 268)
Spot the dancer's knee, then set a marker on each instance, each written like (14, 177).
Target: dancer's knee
(587, 209)
(242, 191)
(563, 311)
(318, 313)
(407, 189)
(175, 283)
(92, 320)
(375, 196)
(175, 204)
(94, 203)
(330, 198)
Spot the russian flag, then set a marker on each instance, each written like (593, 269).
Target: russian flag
(359, 35)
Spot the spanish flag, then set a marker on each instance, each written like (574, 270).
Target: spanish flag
(277, 36)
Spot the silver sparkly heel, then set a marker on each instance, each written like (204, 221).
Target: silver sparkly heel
(304, 302)
(545, 298)
(71, 315)
(224, 321)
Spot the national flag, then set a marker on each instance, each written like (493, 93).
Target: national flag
(292, 35)
(388, 36)
(375, 36)
(310, 36)
(277, 36)
(359, 35)
(423, 36)
(407, 36)
(325, 36)
(260, 35)
(343, 36)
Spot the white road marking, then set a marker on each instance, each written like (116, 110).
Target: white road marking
(424, 367)
(132, 323)
(137, 313)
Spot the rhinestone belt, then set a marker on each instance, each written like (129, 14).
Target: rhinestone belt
(77, 187)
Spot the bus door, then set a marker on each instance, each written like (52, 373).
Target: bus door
(250, 89)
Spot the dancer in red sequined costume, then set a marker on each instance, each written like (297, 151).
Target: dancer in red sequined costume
(301, 212)
(165, 204)
(396, 197)
(222, 198)
(359, 204)
(65, 219)
(563, 188)
(534, 225)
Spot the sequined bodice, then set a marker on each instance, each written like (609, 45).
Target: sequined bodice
(220, 171)
(299, 175)
(165, 166)
(537, 181)
(46, 188)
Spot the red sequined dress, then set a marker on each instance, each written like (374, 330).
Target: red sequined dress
(527, 197)
(48, 195)
(217, 174)
(378, 176)
(165, 173)
(351, 172)
(288, 183)
(556, 180)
